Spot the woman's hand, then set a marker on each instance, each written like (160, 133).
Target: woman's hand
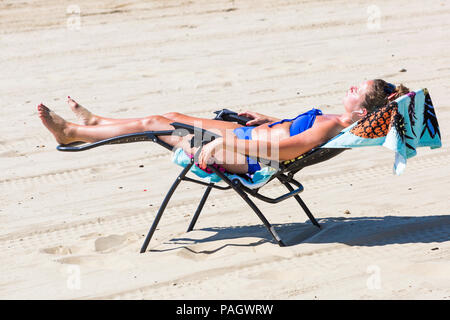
(257, 118)
(206, 156)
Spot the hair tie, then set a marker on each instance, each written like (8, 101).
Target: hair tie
(389, 88)
(393, 96)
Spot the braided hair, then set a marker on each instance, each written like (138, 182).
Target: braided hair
(382, 93)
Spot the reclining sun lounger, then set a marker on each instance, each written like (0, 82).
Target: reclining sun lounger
(402, 126)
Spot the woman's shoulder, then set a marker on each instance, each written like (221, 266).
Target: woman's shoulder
(331, 123)
(327, 117)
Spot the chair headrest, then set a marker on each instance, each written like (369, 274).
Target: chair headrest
(378, 123)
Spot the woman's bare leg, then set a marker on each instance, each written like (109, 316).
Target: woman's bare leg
(88, 118)
(66, 132)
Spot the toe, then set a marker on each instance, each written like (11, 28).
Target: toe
(45, 108)
(72, 102)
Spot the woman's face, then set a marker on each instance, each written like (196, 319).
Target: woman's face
(356, 95)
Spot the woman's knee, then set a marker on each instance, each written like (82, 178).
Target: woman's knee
(152, 122)
(172, 115)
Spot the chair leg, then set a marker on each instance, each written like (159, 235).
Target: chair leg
(199, 208)
(258, 212)
(303, 205)
(163, 207)
(252, 205)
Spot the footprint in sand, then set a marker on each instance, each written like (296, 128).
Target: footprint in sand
(114, 241)
(60, 250)
(101, 244)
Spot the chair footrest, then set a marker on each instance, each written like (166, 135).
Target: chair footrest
(127, 138)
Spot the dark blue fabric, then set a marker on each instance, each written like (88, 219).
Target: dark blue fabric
(245, 133)
(299, 124)
(302, 122)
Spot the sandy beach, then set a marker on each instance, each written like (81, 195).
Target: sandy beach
(72, 224)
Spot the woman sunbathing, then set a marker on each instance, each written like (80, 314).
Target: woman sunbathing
(263, 136)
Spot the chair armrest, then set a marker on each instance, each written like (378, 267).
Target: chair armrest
(201, 136)
(231, 116)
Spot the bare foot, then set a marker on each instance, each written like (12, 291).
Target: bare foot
(87, 117)
(59, 127)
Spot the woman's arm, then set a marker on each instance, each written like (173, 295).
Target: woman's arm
(257, 118)
(285, 149)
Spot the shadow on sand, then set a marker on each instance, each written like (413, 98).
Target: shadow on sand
(357, 231)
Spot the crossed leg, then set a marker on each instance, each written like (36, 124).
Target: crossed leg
(67, 132)
(91, 119)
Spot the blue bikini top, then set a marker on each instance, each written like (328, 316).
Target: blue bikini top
(302, 122)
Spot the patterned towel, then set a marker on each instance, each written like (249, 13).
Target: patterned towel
(257, 180)
(404, 125)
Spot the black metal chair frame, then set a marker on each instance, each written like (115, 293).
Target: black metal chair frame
(285, 172)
